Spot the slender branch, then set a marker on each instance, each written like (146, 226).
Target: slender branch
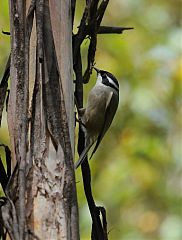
(4, 86)
(111, 30)
(73, 5)
(93, 40)
(104, 222)
(80, 36)
(5, 33)
(79, 80)
(3, 176)
(101, 11)
(97, 230)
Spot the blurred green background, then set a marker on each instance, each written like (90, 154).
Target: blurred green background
(137, 171)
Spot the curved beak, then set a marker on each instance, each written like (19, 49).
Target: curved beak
(96, 69)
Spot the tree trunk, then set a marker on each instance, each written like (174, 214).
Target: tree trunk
(41, 122)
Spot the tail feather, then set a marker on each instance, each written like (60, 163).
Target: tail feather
(83, 155)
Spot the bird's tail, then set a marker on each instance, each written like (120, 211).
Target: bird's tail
(83, 155)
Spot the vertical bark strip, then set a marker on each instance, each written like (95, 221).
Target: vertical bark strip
(52, 203)
(19, 65)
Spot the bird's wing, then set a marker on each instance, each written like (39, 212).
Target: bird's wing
(109, 115)
(83, 155)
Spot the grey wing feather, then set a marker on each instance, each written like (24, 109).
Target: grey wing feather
(83, 155)
(110, 112)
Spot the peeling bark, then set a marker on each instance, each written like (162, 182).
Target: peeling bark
(41, 122)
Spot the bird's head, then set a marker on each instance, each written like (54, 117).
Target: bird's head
(107, 78)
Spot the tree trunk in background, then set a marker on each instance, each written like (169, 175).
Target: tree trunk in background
(41, 122)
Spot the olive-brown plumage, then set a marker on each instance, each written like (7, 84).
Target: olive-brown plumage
(101, 107)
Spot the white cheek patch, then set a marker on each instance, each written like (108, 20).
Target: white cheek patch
(99, 79)
(112, 82)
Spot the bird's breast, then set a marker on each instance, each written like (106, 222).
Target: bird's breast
(95, 111)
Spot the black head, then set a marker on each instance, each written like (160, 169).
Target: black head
(108, 79)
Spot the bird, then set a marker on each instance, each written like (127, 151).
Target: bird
(100, 110)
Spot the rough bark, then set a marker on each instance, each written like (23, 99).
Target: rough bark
(41, 123)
